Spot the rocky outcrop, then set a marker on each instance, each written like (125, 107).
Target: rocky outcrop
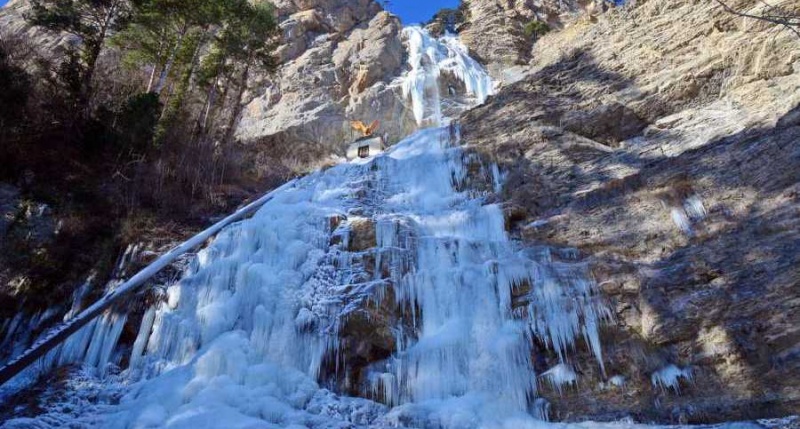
(47, 43)
(662, 143)
(339, 59)
(495, 29)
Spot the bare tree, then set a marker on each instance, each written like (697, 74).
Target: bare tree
(773, 14)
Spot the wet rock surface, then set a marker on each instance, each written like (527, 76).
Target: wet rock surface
(670, 160)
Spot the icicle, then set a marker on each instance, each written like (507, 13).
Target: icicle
(428, 58)
(669, 377)
(259, 315)
(559, 376)
(141, 338)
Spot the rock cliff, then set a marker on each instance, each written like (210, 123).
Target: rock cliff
(662, 142)
(495, 29)
(338, 61)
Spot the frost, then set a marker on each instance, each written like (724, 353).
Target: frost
(255, 320)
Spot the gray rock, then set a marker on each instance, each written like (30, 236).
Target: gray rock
(724, 301)
(340, 59)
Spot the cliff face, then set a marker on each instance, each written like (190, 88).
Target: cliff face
(12, 21)
(338, 59)
(662, 143)
(494, 29)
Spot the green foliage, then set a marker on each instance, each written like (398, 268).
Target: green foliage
(446, 20)
(91, 21)
(70, 73)
(202, 41)
(137, 121)
(535, 29)
(129, 130)
(249, 33)
(449, 20)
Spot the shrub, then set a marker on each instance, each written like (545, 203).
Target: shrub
(535, 29)
(447, 21)
(137, 122)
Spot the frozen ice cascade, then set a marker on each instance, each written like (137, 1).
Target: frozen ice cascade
(429, 59)
(252, 331)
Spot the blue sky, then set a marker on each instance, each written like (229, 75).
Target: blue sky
(410, 11)
(416, 11)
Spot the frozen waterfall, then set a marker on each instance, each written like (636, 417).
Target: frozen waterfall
(247, 330)
(245, 337)
(430, 60)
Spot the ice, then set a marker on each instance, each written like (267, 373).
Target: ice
(245, 333)
(669, 377)
(692, 211)
(559, 376)
(255, 321)
(428, 59)
(541, 409)
(695, 208)
(681, 220)
(617, 381)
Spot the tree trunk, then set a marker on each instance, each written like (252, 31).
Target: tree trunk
(162, 78)
(237, 107)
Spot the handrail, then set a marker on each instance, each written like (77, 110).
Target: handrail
(60, 333)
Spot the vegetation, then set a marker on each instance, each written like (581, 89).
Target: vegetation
(789, 20)
(535, 29)
(132, 117)
(449, 20)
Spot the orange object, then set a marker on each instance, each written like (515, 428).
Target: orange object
(366, 131)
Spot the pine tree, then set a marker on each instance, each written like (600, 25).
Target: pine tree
(92, 21)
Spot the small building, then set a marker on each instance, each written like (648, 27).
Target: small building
(366, 147)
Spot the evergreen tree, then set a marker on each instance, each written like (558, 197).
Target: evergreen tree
(205, 42)
(92, 21)
(247, 39)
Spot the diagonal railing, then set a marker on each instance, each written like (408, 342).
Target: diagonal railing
(57, 335)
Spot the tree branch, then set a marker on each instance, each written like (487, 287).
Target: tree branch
(790, 22)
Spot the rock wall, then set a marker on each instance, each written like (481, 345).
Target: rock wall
(12, 21)
(338, 60)
(663, 142)
(494, 30)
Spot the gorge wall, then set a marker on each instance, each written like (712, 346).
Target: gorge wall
(339, 59)
(662, 143)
